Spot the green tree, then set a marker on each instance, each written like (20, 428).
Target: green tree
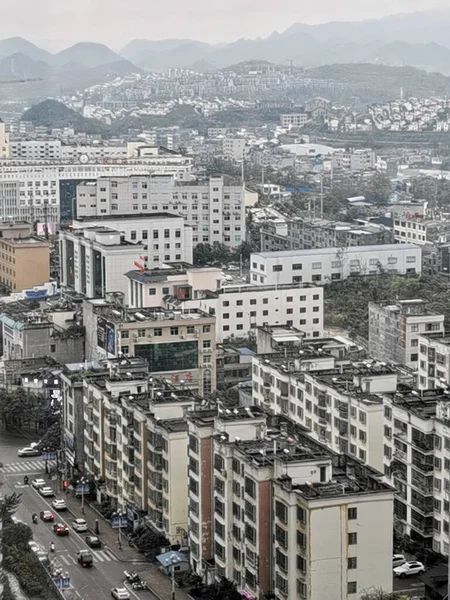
(8, 506)
(379, 594)
(17, 534)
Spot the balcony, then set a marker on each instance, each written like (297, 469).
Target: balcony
(423, 527)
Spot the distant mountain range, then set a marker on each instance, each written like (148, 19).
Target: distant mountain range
(417, 39)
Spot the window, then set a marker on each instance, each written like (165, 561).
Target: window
(352, 563)
(297, 267)
(250, 487)
(152, 292)
(352, 588)
(174, 331)
(317, 265)
(352, 514)
(281, 512)
(133, 235)
(277, 268)
(352, 539)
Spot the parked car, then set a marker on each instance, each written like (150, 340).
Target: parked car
(93, 542)
(28, 451)
(38, 483)
(61, 529)
(85, 558)
(59, 504)
(79, 525)
(46, 491)
(398, 560)
(120, 593)
(47, 516)
(411, 567)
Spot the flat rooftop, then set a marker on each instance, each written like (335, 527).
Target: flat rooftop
(333, 251)
(119, 314)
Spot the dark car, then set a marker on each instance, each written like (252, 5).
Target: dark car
(47, 516)
(85, 558)
(61, 529)
(93, 542)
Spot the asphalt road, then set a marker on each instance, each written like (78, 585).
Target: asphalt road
(87, 584)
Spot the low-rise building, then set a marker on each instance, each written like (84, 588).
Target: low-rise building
(24, 262)
(28, 332)
(293, 120)
(238, 309)
(323, 265)
(395, 329)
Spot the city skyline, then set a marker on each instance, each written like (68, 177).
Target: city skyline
(46, 22)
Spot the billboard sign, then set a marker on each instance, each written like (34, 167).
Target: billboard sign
(110, 338)
(119, 521)
(101, 333)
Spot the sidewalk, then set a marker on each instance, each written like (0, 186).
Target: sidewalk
(158, 583)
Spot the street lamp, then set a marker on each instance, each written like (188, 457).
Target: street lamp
(173, 559)
(119, 515)
(82, 482)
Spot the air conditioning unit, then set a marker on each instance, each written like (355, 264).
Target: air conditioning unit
(224, 473)
(182, 336)
(149, 335)
(135, 336)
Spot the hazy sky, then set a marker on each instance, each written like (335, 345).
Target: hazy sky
(58, 23)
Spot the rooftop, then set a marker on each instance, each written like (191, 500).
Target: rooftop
(119, 314)
(128, 217)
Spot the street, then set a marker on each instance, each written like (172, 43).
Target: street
(87, 584)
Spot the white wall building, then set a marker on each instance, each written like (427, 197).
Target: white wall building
(234, 148)
(40, 181)
(93, 260)
(434, 360)
(4, 141)
(238, 309)
(293, 120)
(322, 265)
(167, 237)
(395, 329)
(215, 210)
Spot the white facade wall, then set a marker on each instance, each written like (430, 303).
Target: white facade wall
(434, 361)
(410, 231)
(167, 237)
(332, 264)
(240, 311)
(45, 175)
(296, 120)
(215, 211)
(344, 422)
(35, 149)
(234, 148)
(4, 141)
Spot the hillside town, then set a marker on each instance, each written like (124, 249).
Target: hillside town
(224, 338)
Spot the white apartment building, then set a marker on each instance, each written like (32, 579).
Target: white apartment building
(215, 210)
(40, 181)
(340, 406)
(356, 161)
(234, 148)
(322, 265)
(434, 360)
(238, 309)
(135, 439)
(293, 120)
(166, 237)
(4, 141)
(416, 455)
(35, 149)
(395, 329)
(286, 515)
(94, 259)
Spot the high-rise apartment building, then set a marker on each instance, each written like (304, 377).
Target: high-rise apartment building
(273, 510)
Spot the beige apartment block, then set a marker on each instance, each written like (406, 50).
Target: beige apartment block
(24, 263)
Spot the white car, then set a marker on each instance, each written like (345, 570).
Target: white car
(120, 593)
(28, 451)
(410, 567)
(79, 525)
(46, 491)
(59, 504)
(398, 560)
(38, 483)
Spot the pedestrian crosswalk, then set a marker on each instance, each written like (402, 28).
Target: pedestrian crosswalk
(26, 466)
(99, 556)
